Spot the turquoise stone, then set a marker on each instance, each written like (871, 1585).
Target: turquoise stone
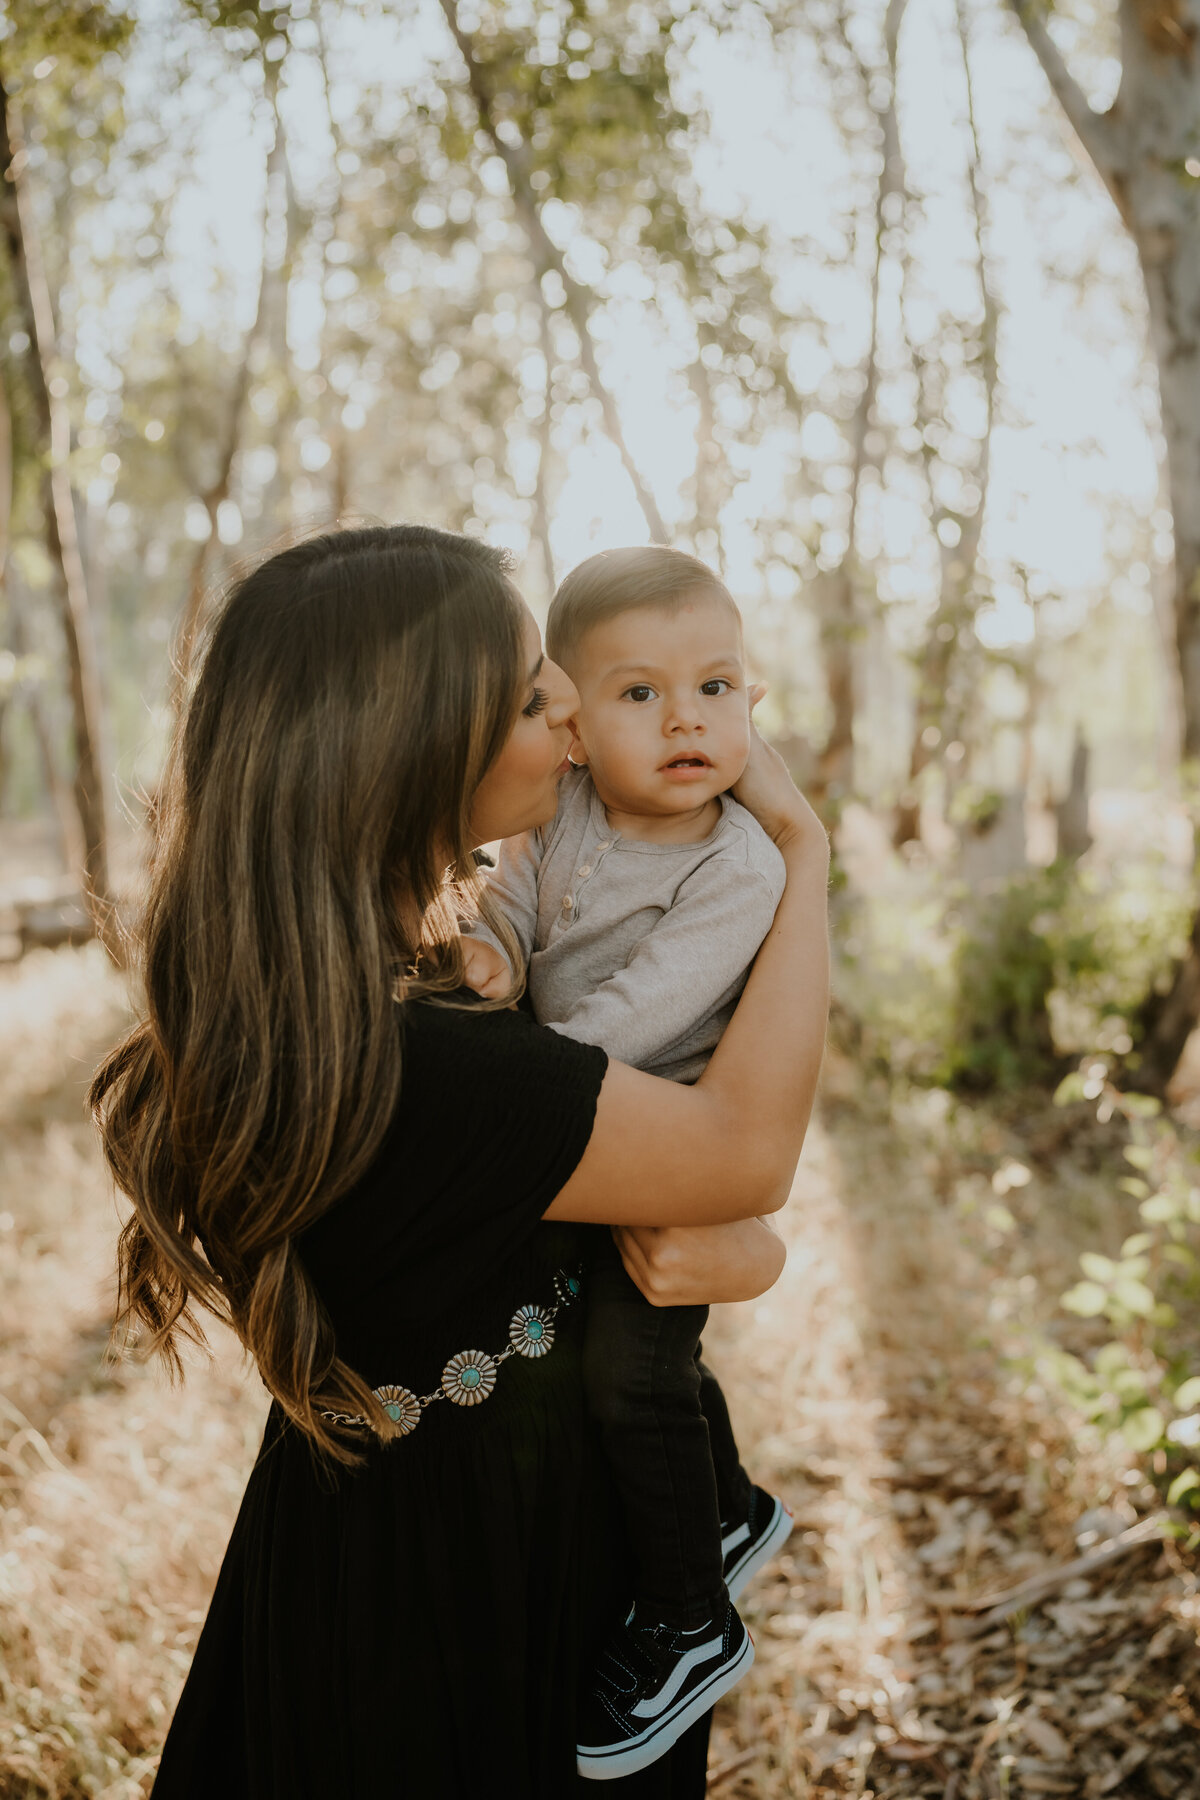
(572, 1284)
(393, 1411)
(534, 1329)
(470, 1378)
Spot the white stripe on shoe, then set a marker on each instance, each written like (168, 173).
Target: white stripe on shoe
(752, 1560)
(653, 1704)
(734, 1538)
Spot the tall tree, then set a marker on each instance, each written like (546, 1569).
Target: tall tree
(958, 528)
(19, 225)
(1145, 149)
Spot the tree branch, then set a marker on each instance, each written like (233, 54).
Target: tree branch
(547, 257)
(1099, 133)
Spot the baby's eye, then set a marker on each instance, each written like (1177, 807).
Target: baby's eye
(640, 693)
(718, 685)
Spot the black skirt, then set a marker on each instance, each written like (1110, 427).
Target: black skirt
(419, 1626)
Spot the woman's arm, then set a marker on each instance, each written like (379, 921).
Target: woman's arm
(699, 1265)
(665, 1154)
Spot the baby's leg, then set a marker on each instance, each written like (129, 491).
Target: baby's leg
(734, 1486)
(643, 1385)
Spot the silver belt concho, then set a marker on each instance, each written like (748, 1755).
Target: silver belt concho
(470, 1375)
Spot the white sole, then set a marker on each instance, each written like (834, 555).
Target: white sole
(778, 1533)
(639, 1753)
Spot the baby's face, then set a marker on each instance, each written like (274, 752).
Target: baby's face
(664, 716)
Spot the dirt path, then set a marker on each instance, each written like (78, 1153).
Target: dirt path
(869, 1391)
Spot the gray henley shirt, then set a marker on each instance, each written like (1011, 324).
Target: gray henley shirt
(641, 948)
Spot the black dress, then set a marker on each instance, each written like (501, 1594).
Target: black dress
(419, 1626)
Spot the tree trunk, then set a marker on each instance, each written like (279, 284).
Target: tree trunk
(53, 424)
(545, 437)
(216, 491)
(1141, 148)
(548, 259)
(958, 561)
(836, 598)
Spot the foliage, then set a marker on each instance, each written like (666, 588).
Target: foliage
(996, 989)
(1144, 1381)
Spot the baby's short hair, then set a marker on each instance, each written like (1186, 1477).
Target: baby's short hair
(617, 581)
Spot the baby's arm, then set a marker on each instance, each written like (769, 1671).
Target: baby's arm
(512, 889)
(703, 944)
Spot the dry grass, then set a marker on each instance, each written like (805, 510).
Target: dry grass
(868, 1387)
(118, 1493)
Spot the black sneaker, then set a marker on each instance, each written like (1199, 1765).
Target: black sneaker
(746, 1544)
(650, 1684)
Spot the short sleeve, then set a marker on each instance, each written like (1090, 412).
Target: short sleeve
(495, 1114)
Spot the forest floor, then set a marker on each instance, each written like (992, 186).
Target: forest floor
(885, 1386)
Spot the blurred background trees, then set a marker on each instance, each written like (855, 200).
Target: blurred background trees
(887, 312)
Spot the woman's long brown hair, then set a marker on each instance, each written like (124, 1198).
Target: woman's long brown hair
(313, 849)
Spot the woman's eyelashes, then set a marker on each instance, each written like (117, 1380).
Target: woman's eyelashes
(538, 704)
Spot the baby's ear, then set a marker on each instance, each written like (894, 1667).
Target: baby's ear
(756, 691)
(577, 754)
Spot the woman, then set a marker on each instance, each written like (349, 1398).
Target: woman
(387, 1200)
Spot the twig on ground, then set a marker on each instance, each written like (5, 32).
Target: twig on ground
(996, 1608)
(720, 1775)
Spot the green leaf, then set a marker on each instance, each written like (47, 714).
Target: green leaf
(1141, 1106)
(1086, 1299)
(1143, 1429)
(1099, 1268)
(1133, 1184)
(1186, 1482)
(1187, 1394)
(1110, 1358)
(1159, 1209)
(1139, 1156)
(1133, 1246)
(1069, 1088)
(1134, 1296)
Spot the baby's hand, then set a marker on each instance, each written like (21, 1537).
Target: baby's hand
(485, 969)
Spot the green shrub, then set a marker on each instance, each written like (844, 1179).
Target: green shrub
(999, 989)
(1143, 1383)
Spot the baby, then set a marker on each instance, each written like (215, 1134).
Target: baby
(639, 909)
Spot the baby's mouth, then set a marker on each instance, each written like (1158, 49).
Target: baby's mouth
(688, 762)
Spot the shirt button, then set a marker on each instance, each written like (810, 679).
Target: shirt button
(584, 869)
(568, 903)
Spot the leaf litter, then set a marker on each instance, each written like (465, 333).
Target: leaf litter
(979, 1601)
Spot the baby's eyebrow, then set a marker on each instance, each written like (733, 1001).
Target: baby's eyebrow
(731, 660)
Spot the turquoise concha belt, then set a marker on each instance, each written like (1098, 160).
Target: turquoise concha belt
(470, 1376)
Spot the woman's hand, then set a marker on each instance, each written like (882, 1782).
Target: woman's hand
(701, 1265)
(767, 790)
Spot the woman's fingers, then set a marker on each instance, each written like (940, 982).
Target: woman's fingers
(766, 788)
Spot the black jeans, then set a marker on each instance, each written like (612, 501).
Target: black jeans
(667, 1437)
